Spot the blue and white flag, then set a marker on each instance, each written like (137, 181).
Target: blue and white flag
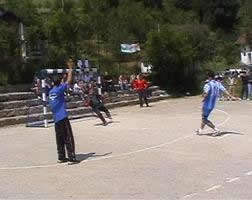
(130, 48)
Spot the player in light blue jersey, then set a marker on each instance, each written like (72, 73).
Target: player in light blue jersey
(211, 93)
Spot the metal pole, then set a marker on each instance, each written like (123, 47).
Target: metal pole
(44, 103)
(22, 38)
(99, 85)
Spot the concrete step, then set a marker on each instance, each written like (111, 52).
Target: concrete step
(37, 106)
(22, 119)
(16, 96)
(21, 99)
(33, 106)
(15, 88)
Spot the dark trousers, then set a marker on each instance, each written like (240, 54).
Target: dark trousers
(143, 96)
(64, 139)
(244, 91)
(98, 108)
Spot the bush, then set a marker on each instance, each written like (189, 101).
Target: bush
(177, 54)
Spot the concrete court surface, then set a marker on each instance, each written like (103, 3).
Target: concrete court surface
(148, 153)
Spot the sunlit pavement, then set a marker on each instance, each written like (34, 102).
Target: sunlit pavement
(145, 153)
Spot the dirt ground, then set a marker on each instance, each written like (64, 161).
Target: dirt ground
(148, 153)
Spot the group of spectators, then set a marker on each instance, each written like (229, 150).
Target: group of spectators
(238, 84)
(84, 81)
(246, 79)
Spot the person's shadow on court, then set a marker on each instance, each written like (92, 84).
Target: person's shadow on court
(109, 122)
(222, 133)
(83, 157)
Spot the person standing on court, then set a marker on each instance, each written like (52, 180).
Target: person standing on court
(141, 85)
(63, 129)
(210, 95)
(244, 79)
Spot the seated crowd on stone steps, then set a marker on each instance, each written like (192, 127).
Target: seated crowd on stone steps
(83, 83)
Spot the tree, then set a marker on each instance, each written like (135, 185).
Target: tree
(225, 13)
(178, 54)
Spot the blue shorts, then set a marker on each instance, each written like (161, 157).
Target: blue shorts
(206, 112)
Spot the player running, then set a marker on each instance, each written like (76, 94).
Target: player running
(211, 93)
(97, 105)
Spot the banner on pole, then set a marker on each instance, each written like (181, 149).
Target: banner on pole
(130, 48)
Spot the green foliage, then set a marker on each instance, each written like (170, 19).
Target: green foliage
(217, 13)
(180, 38)
(176, 52)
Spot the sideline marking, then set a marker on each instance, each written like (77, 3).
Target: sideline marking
(249, 173)
(231, 180)
(215, 187)
(190, 195)
(228, 117)
(119, 155)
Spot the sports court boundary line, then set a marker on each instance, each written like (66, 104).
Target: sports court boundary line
(119, 155)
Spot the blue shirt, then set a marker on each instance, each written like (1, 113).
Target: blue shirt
(57, 102)
(212, 89)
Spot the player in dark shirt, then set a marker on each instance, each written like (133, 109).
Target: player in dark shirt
(95, 101)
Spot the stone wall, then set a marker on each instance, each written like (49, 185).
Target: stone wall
(15, 107)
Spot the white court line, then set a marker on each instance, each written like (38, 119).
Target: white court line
(213, 188)
(119, 155)
(224, 136)
(249, 173)
(228, 117)
(231, 180)
(190, 195)
(32, 167)
(97, 159)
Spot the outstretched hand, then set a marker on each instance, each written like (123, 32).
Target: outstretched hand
(70, 65)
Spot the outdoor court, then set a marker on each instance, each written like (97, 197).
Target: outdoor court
(148, 153)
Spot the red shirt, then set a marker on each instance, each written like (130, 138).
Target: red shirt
(140, 84)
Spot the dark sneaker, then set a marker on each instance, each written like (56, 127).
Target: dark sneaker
(73, 161)
(62, 160)
(105, 123)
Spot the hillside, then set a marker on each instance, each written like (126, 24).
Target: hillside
(179, 37)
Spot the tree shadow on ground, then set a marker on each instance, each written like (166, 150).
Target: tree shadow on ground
(222, 133)
(82, 157)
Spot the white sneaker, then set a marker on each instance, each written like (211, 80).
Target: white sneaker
(198, 132)
(216, 133)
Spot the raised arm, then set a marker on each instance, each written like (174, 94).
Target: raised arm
(70, 65)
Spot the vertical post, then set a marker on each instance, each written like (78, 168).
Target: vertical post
(22, 38)
(44, 103)
(99, 85)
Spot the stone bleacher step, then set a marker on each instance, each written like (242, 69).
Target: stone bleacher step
(19, 104)
(25, 99)
(22, 119)
(16, 96)
(37, 106)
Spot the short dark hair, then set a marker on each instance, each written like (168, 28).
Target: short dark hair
(70, 58)
(211, 74)
(57, 80)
